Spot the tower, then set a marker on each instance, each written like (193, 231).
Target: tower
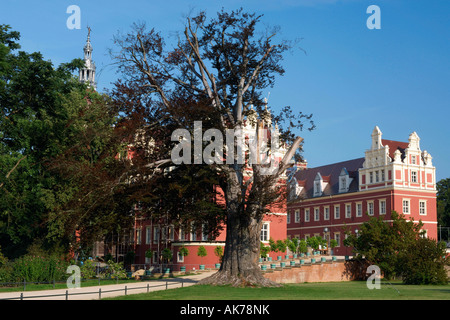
(87, 74)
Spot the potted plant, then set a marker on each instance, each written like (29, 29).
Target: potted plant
(302, 247)
(167, 256)
(333, 244)
(183, 251)
(263, 251)
(273, 247)
(281, 247)
(201, 252)
(218, 251)
(293, 245)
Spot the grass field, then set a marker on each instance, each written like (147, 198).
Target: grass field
(349, 290)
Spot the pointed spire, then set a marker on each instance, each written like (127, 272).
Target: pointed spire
(376, 138)
(87, 74)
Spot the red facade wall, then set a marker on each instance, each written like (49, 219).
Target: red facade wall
(394, 202)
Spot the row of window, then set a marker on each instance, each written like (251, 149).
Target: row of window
(317, 215)
(376, 176)
(168, 233)
(379, 176)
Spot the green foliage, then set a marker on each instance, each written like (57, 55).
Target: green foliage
(183, 251)
(273, 245)
(218, 251)
(201, 251)
(38, 269)
(303, 246)
(443, 202)
(88, 269)
(45, 114)
(292, 244)
(263, 250)
(281, 245)
(399, 249)
(333, 243)
(424, 262)
(315, 242)
(149, 253)
(115, 270)
(167, 254)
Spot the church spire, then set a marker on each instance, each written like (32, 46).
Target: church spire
(87, 74)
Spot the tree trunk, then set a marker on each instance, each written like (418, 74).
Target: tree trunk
(240, 260)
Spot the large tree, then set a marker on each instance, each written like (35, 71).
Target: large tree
(223, 64)
(443, 205)
(57, 153)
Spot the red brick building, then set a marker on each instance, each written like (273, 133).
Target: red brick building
(159, 235)
(392, 176)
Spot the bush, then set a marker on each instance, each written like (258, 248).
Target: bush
(88, 269)
(424, 263)
(38, 269)
(115, 269)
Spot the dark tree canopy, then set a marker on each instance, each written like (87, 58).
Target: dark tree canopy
(217, 71)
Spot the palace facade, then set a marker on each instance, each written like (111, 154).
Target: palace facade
(392, 176)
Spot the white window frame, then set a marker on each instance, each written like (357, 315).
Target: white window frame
(337, 211)
(382, 206)
(337, 237)
(265, 232)
(359, 209)
(423, 210)
(406, 204)
(326, 213)
(370, 208)
(316, 214)
(297, 215)
(348, 210)
(414, 176)
(156, 235)
(148, 235)
(307, 215)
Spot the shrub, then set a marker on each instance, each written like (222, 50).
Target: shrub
(88, 269)
(38, 269)
(424, 263)
(115, 269)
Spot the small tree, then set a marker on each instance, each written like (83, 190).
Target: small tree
(333, 243)
(293, 245)
(281, 245)
(183, 251)
(218, 251)
(313, 242)
(201, 252)
(263, 250)
(149, 254)
(303, 246)
(167, 255)
(273, 245)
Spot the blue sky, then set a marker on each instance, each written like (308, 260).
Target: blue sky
(351, 78)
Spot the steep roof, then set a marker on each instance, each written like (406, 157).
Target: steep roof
(331, 171)
(395, 145)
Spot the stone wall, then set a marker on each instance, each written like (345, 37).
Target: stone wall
(318, 272)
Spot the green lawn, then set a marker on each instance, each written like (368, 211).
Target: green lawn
(352, 290)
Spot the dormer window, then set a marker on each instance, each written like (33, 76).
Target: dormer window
(318, 185)
(344, 180)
